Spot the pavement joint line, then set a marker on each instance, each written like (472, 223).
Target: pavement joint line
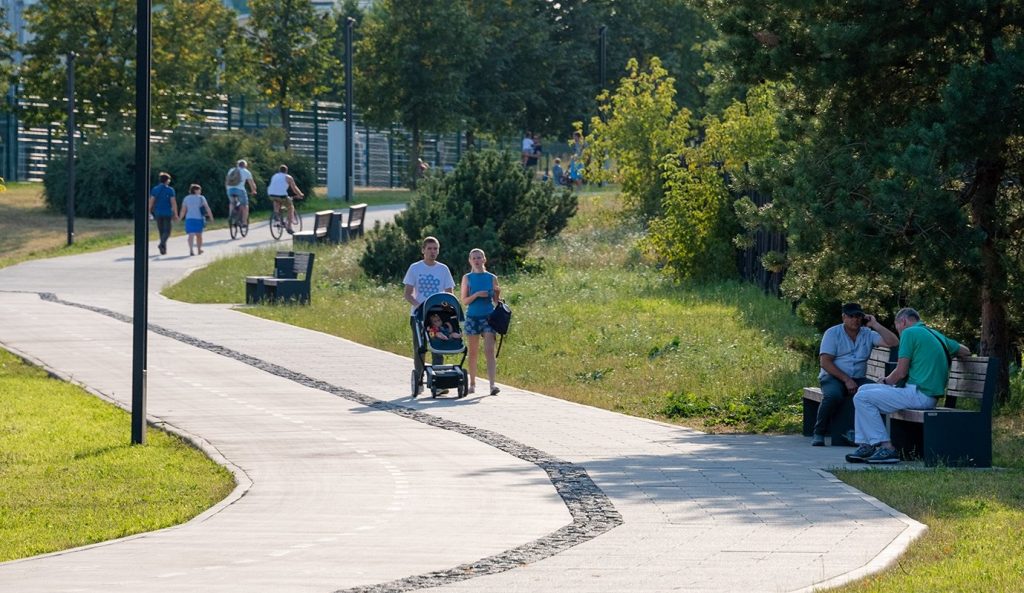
(592, 512)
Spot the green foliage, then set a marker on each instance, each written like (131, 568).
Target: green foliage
(104, 173)
(693, 238)
(104, 179)
(640, 126)
(189, 38)
(899, 182)
(413, 59)
(486, 202)
(290, 44)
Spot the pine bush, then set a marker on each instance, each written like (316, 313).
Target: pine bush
(488, 201)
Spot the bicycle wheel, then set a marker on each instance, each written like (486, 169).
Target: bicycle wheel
(297, 222)
(233, 225)
(276, 227)
(243, 228)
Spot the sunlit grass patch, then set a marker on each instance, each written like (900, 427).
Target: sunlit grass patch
(69, 476)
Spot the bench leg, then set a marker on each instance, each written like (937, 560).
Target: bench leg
(953, 440)
(810, 416)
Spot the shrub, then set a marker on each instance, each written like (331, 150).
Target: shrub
(486, 202)
(104, 176)
(104, 179)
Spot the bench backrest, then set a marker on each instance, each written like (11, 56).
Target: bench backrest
(303, 265)
(975, 378)
(284, 264)
(323, 219)
(881, 362)
(356, 216)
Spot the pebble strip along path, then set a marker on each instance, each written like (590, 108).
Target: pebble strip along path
(348, 495)
(592, 512)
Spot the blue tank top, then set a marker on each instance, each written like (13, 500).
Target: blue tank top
(481, 281)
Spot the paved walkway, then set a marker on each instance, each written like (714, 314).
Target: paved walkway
(345, 484)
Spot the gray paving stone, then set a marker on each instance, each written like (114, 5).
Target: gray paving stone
(346, 484)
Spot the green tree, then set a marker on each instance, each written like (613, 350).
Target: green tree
(7, 47)
(413, 59)
(640, 126)
(291, 43)
(900, 176)
(189, 41)
(486, 202)
(693, 238)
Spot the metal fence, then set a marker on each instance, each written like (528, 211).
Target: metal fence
(380, 156)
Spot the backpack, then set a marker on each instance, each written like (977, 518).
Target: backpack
(234, 177)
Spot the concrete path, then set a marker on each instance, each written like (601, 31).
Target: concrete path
(346, 484)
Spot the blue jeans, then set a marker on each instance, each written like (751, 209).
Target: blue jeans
(871, 402)
(833, 392)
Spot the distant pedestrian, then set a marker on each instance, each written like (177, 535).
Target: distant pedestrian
(527, 149)
(558, 174)
(163, 206)
(480, 292)
(196, 211)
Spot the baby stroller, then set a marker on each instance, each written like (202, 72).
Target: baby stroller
(440, 376)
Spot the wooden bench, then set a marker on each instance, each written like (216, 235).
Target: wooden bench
(354, 224)
(295, 288)
(321, 222)
(946, 434)
(284, 267)
(881, 362)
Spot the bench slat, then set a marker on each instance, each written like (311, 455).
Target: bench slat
(966, 385)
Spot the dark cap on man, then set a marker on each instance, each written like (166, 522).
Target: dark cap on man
(853, 310)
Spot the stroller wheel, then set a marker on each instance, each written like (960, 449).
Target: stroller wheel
(417, 387)
(463, 390)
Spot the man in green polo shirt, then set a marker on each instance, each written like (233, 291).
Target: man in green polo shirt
(924, 358)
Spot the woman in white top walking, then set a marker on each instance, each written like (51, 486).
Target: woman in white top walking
(278, 190)
(195, 210)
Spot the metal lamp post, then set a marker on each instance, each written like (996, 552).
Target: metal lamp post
(70, 206)
(349, 118)
(140, 314)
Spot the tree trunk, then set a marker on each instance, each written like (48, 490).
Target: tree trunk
(995, 339)
(470, 140)
(286, 125)
(414, 156)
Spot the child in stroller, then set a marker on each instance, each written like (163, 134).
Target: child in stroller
(441, 330)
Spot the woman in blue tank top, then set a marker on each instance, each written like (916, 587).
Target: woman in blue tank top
(480, 293)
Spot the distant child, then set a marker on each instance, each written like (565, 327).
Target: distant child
(195, 210)
(557, 173)
(576, 172)
(441, 331)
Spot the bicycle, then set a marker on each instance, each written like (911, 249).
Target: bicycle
(235, 224)
(277, 221)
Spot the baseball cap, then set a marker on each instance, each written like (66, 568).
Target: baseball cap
(852, 310)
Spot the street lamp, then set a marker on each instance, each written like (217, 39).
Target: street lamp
(140, 314)
(349, 118)
(70, 206)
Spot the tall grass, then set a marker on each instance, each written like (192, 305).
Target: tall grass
(592, 323)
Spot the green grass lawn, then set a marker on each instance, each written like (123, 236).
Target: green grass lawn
(593, 323)
(590, 325)
(68, 476)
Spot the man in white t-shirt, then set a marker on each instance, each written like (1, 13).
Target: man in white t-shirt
(527, 151)
(235, 182)
(423, 279)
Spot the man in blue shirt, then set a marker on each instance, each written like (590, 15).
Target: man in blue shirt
(925, 355)
(843, 355)
(163, 207)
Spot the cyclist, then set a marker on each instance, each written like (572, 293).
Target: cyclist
(281, 189)
(235, 182)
